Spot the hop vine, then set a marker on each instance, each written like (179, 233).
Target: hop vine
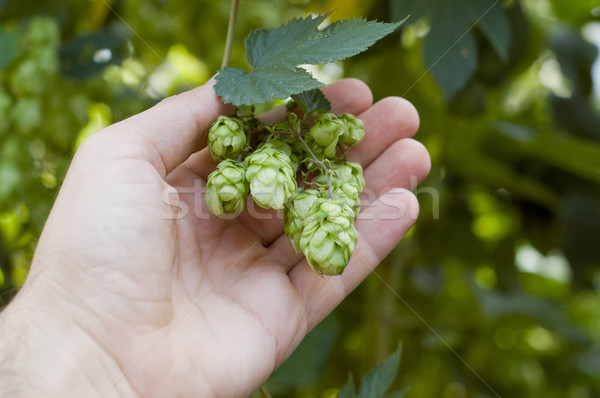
(298, 166)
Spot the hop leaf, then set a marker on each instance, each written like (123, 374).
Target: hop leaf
(226, 138)
(312, 100)
(328, 236)
(227, 188)
(271, 177)
(276, 53)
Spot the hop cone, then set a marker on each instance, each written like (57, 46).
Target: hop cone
(227, 188)
(355, 129)
(271, 177)
(327, 130)
(292, 148)
(321, 152)
(350, 172)
(328, 237)
(226, 138)
(347, 185)
(295, 212)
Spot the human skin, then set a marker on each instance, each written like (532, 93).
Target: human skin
(134, 292)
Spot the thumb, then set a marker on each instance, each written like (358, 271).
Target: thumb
(175, 127)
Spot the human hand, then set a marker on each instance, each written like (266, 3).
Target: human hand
(135, 290)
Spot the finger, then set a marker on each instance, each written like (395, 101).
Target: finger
(405, 164)
(387, 121)
(347, 95)
(171, 130)
(380, 228)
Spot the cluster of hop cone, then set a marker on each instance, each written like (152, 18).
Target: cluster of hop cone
(298, 166)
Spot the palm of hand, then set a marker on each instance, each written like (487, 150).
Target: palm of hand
(202, 306)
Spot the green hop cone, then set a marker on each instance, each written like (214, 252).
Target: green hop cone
(328, 236)
(291, 123)
(350, 172)
(320, 152)
(327, 130)
(227, 188)
(291, 147)
(296, 211)
(347, 183)
(271, 177)
(226, 138)
(355, 129)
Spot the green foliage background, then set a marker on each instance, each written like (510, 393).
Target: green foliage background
(495, 292)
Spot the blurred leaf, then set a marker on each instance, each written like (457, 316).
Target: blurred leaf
(349, 391)
(398, 394)
(491, 18)
(468, 160)
(572, 154)
(379, 380)
(9, 45)
(589, 362)
(450, 50)
(577, 116)
(576, 57)
(495, 304)
(581, 217)
(10, 177)
(417, 9)
(470, 100)
(79, 56)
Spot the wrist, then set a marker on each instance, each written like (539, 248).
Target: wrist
(44, 352)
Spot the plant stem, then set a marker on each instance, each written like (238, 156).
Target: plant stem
(264, 392)
(311, 153)
(230, 32)
(324, 168)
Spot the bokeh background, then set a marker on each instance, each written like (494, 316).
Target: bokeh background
(494, 292)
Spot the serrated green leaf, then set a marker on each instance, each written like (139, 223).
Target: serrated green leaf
(242, 88)
(348, 391)
(283, 44)
(9, 43)
(376, 383)
(312, 100)
(276, 53)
